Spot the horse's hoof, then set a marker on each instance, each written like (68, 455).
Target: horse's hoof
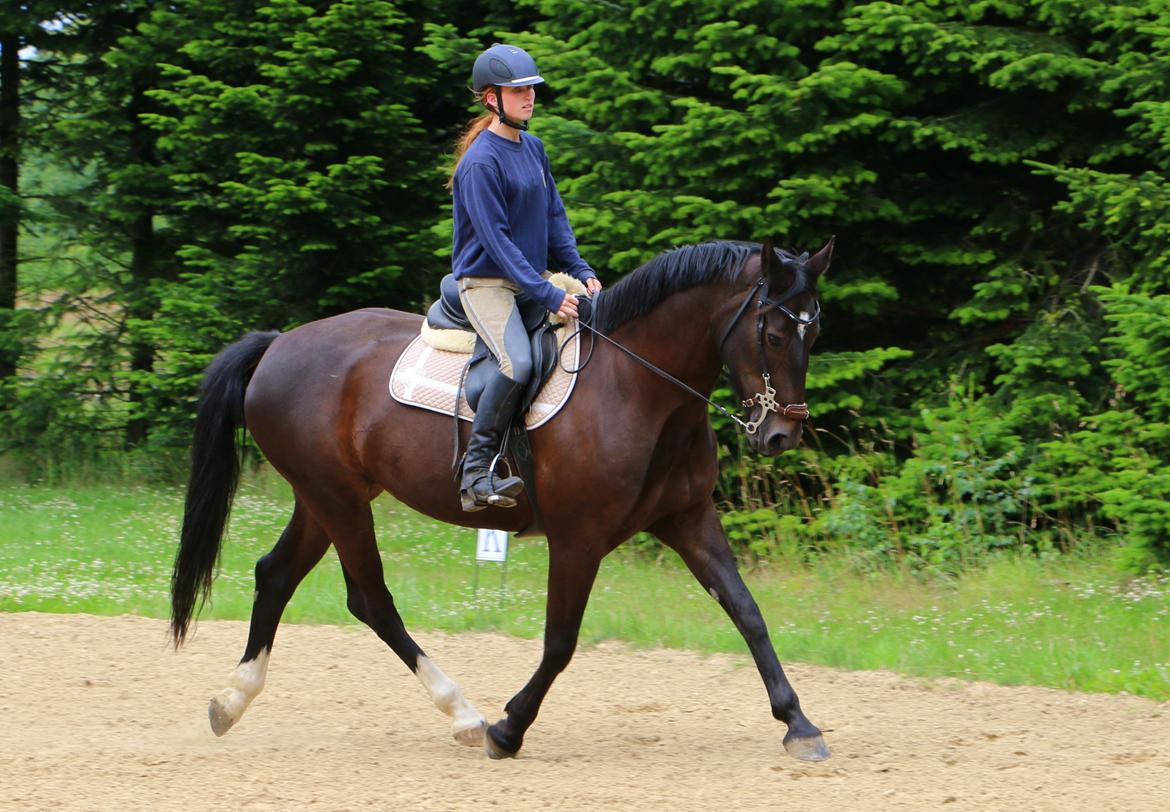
(812, 748)
(494, 748)
(220, 715)
(471, 735)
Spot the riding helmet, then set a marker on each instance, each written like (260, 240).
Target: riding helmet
(504, 66)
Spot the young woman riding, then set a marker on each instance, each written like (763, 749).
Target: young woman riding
(509, 224)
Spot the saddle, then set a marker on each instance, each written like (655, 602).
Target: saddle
(448, 328)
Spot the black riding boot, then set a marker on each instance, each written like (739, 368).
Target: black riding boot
(480, 487)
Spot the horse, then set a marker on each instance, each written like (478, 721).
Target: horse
(642, 449)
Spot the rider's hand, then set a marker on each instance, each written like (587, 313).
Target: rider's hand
(568, 308)
(593, 285)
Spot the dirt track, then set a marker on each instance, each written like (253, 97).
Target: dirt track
(98, 714)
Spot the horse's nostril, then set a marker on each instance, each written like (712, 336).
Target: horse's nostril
(775, 441)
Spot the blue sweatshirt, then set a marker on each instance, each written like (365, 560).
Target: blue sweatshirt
(509, 220)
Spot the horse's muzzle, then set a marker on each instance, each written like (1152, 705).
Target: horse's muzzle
(776, 436)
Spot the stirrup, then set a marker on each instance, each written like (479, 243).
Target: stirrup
(500, 493)
(473, 500)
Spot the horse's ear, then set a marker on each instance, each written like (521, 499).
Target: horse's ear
(819, 262)
(768, 264)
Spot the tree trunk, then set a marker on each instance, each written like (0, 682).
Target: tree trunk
(140, 306)
(9, 179)
(140, 303)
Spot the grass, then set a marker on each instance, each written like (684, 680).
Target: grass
(1068, 623)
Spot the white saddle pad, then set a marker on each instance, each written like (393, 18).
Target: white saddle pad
(429, 378)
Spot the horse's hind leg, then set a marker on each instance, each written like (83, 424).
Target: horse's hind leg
(352, 529)
(278, 574)
(699, 538)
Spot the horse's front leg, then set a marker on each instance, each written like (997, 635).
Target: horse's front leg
(571, 572)
(698, 537)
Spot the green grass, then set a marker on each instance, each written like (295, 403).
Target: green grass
(1069, 623)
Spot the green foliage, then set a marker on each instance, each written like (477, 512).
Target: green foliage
(1121, 457)
(286, 133)
(217, 167)
(983, 166)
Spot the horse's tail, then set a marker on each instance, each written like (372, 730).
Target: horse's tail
(215, 471)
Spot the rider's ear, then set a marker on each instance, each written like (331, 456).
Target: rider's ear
(819, 263)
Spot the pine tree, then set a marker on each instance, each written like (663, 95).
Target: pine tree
(21, 27)
(978, 162)
(301, 175)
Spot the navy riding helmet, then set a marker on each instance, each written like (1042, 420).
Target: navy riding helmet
(504, 66)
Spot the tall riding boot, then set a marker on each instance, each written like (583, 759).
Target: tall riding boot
(480, 487)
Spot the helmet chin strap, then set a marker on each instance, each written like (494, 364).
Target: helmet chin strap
(519, 125)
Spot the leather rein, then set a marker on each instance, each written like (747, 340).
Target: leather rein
(766, 400)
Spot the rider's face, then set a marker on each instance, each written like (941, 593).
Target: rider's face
(519, 102)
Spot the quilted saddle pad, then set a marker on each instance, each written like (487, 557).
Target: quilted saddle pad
(428, 377)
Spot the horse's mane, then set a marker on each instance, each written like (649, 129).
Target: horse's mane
(670, 272)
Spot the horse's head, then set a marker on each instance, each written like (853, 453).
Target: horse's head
(766, 341)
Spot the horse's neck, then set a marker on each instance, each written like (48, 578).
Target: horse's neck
(676, 337)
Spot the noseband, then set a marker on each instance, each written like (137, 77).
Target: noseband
(766, 400)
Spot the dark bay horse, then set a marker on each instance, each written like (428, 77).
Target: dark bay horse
(631, 451)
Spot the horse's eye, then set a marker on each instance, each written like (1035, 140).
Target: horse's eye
(775, 340)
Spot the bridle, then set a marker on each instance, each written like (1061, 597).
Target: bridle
(766, 400)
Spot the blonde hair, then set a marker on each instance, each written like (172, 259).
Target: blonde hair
(471, 132)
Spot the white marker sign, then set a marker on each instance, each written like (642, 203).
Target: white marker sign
(491, 545)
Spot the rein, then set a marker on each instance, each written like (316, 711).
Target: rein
(766, 400)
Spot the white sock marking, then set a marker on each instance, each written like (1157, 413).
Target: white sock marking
(448, 698)
(249, 677)
(244, 685)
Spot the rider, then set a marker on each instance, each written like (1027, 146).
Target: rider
(509, 222)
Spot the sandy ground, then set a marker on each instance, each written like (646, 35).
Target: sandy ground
(96, 713)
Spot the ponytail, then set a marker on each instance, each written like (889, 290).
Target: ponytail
(477, 126)
(472, 131)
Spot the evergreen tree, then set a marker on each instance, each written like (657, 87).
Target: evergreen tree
(302, 176)
(22, 26)
(958, 150)
(10, 45)
(102, 200)
(116, 50)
